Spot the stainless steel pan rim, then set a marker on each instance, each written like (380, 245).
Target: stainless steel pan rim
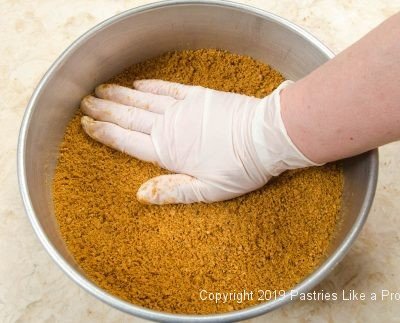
(246, 313)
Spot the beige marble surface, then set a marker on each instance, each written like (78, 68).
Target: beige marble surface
(33, 288)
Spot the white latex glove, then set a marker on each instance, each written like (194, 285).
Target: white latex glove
(220, 145)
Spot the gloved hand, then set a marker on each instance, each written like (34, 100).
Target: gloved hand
(219, 145)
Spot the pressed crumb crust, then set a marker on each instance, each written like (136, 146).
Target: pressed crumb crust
(162, 257)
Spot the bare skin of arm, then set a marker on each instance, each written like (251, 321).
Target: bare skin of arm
(350, 104)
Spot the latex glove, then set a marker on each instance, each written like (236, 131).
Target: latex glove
(220, 145)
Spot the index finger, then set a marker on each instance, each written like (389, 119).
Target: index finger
(160, 87)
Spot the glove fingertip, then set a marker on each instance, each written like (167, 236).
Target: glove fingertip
(154, 192)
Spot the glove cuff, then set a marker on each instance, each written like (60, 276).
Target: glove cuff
(274, 148)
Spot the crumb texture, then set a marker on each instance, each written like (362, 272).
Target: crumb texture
(161, 257)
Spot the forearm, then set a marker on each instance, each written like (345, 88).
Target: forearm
(351, 104)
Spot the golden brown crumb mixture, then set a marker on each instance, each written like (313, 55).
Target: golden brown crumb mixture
(162, 257)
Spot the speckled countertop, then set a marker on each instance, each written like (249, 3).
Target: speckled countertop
(34, 289)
